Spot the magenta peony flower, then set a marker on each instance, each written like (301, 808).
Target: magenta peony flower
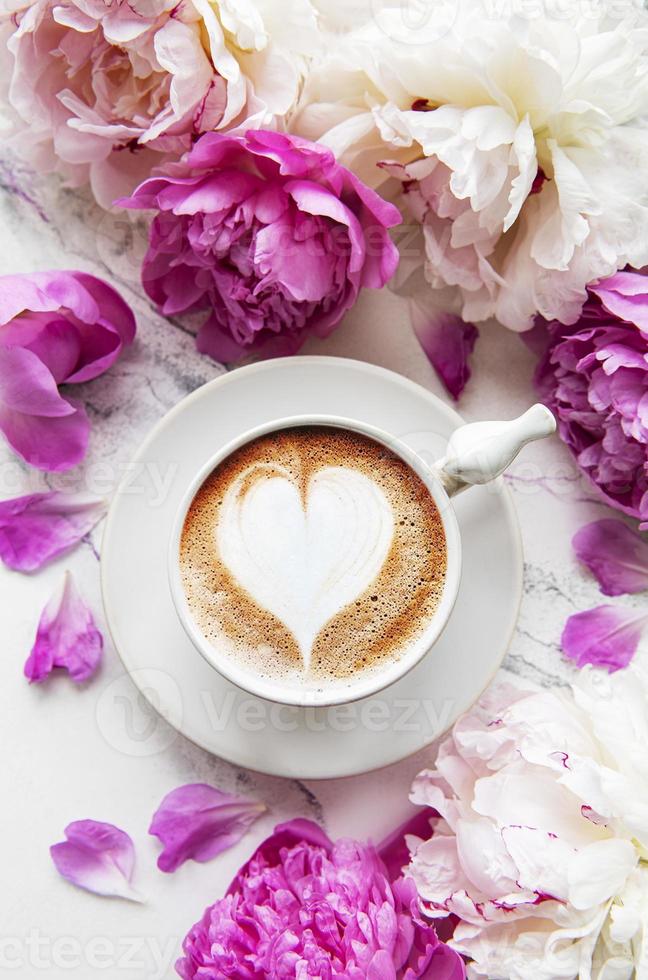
(306, 907)
(55, 328)
(268, 232)
(105, 90)
(594, 376)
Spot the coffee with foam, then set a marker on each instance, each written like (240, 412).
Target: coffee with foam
(313, 555)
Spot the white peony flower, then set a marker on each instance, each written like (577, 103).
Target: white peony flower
(541, 846)
(106, 90)
(517, 140)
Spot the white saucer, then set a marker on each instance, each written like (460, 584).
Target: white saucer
(308, 743)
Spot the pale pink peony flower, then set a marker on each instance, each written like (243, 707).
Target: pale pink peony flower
(107, 89)
(515, 133)
(541, 839)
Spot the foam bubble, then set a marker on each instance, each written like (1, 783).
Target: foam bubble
(292, 603)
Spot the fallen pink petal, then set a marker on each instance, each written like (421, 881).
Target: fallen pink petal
(448, 343)
(59, 327)
(67, 637)
(39, 527)
(97, 857)
(198, 822)
(615, 554)
(607, 636)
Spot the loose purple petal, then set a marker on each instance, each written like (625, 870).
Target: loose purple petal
(51, 444)
(447, 342)
(55, 327)
(41, 526)
(615, 554)
(198, 821)
(606, 636)
(48, 431)
(67, 637)
(98, 857)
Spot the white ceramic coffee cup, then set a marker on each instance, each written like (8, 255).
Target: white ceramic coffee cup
(476, 453)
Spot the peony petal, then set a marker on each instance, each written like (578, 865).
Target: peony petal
(624, 295)
(41, 526)
(55, 327)
(91, 300)
(98, 857)
(615, 554)
(36, 293)
(394, 851)
(51, 444)
(448, 343)
(598, 871)
(28, 387)
(606, 636)
(198, 821)
(67, 637)
(48, 431)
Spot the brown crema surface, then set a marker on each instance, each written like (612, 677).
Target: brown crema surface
(371, 631)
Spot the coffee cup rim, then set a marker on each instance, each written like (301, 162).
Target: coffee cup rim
(373, 682)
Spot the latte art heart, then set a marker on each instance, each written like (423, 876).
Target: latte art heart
(304, 556)
(312, 556)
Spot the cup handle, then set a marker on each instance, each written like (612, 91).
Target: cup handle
(480, 451)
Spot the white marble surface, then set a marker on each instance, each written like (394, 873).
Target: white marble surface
(62, 752)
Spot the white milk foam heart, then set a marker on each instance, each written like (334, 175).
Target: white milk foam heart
(306, 563)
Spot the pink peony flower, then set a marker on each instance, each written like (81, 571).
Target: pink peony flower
(594, 376)
(55, 328)
(107, 89)
(269, 233)
(306, 907)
